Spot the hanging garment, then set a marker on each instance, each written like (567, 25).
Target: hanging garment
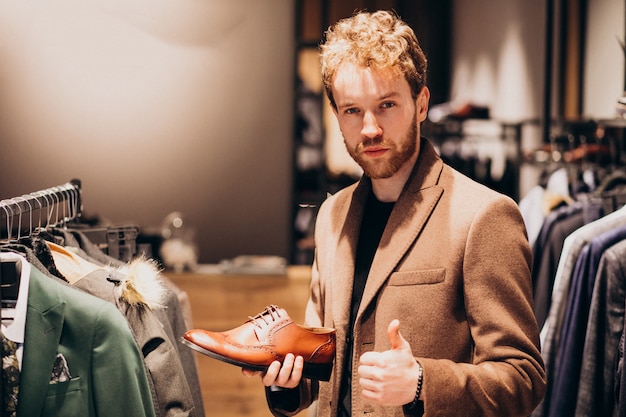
(79, 239)
(10, 377)
(573, 329)
(57, 207)
(137, 293)
(620, 385)
(551, 331)
(175, 316)
(91, 335)
(596, 391)
(546, 253)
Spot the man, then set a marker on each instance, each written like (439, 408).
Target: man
(424, 273)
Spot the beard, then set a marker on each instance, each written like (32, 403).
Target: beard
(398, 154)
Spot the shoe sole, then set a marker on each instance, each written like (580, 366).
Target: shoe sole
(315, 371)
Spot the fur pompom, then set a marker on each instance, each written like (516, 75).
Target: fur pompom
(143, 285)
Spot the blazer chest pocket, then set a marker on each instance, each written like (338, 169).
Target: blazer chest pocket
(66, 398)
(422, 277)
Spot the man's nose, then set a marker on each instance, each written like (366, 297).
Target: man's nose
(370, 129)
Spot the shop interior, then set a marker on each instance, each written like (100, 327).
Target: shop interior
(196, 135)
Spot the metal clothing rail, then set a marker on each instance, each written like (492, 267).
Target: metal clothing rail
(27, 214)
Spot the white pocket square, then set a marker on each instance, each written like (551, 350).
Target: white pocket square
(60, 370)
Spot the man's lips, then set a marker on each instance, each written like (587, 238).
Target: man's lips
(374, 151)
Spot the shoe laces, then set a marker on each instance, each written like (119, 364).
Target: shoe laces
(267, 316)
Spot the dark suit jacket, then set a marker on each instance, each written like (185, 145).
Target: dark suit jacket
(108, 377)
(601, 366)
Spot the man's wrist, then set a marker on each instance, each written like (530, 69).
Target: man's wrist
(418, 391)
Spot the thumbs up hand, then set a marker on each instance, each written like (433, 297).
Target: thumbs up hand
(396, 339)
(389, 378)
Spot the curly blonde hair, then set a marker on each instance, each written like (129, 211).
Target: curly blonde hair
(378, 40)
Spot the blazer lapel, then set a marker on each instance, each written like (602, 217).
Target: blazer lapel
(407, 219)
(350, 216)
(44, 323)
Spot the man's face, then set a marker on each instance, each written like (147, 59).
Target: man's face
(379, 119)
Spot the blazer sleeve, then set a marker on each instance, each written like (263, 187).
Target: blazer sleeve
(120, 386)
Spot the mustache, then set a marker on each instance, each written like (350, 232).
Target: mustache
(372, 141)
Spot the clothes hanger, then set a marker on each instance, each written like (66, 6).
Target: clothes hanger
(42, 210)
(19, 218)
(54, 210)
(67, 199)
(55, 206)
(35, 230)
(9, 269)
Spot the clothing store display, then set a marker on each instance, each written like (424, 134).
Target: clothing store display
(574, 326)
(579, 294)
(605, 327)
(535, 207)
(572, 247)
(149, 320)
(90, 334)
(485, 150)
(559, 224)
(10, 377)
(269, 336)
(165, 374)
(174, 316)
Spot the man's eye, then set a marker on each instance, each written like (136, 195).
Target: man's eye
(387, 105)
(352, 111)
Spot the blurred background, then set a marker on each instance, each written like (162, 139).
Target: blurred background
(213, 109)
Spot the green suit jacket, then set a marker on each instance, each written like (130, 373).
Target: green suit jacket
(107, 374)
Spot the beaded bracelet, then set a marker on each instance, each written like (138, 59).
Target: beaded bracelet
(418, 391)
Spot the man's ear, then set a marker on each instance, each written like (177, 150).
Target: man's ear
(422, 104)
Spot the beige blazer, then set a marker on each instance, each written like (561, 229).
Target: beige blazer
(453, 266)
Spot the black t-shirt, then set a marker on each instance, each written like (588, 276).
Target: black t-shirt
(375, 217)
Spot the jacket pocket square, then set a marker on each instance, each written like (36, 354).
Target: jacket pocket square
(60, 370)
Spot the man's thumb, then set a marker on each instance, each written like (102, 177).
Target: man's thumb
(396, 339)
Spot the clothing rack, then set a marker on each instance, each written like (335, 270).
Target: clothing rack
(27, 214)
(475, 146)
(52, 206)
(41, 225)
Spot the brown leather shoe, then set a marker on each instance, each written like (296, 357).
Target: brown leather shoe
(268, 337)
